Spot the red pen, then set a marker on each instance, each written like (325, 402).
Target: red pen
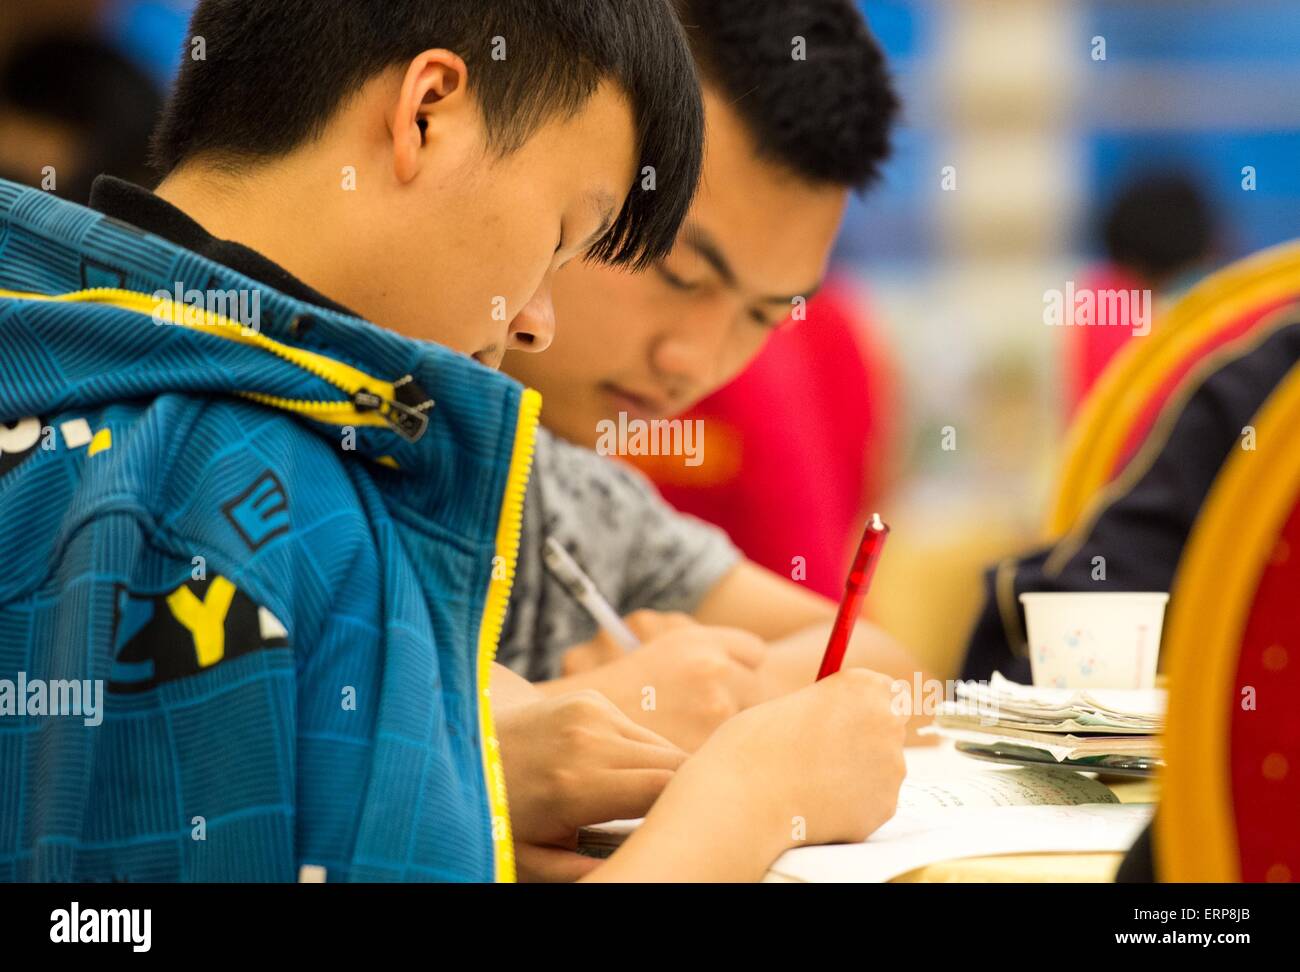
(855, 589)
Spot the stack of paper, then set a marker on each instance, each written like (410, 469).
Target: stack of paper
(603, 839)
(1067, 723)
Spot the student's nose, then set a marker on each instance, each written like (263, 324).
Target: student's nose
(533, 328)
(692, 354)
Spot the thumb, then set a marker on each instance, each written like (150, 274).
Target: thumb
(744, 647)
(647, 624)
(601, 650)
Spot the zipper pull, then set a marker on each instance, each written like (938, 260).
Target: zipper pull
(405, 420)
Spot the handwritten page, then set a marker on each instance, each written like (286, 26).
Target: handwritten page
(1001, 788)
(949, 808)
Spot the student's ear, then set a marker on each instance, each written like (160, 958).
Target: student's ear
(433, 94)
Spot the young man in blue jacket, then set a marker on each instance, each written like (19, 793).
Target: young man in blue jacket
(274, 542)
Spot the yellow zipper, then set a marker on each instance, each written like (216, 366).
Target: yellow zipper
(379, 404)
(354, 382)
(509, 529)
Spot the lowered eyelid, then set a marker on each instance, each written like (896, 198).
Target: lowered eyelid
(606, 224)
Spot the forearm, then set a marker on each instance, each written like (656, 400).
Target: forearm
(693, 835)
(509, 689)
(756, 600)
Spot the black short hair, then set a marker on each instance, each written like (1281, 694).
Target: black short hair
(1159, 224)
(276, 71)
(826, 117)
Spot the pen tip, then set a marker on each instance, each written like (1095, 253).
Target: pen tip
(876, 522)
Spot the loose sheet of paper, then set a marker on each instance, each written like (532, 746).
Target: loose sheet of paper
(951, 807)
(910, 841)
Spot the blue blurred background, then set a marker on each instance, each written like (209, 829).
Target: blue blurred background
(1196, 84)
(1200, 83)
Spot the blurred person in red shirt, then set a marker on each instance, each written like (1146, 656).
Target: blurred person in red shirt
(800, 444)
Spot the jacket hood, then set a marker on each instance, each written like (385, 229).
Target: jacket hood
(94, 311)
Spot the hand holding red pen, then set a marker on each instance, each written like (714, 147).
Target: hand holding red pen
(820, 765)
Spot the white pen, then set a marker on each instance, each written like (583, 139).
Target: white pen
(583, 590)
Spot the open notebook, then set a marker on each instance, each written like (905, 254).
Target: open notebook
(947, 810)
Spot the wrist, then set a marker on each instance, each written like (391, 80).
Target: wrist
(697, 831)
(746, 806)
(556, 686)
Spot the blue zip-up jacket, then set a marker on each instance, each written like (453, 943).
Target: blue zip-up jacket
(281, 552)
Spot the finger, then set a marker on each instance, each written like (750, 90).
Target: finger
(634, 731)
(622, 794)
(627, 754)
(576, 660)
(601, 650)
(744, 648)
(745, 652)
(538, 864)
(747, 686)
(649, 624)
(604, 648)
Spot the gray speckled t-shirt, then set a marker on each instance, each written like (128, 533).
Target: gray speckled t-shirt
(640, 552)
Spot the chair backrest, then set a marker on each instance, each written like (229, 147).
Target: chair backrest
(1225, 308)
(1230, 808)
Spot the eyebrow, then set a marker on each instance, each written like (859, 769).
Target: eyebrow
(703, 244)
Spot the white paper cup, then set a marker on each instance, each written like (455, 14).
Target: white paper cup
(1094, 640)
